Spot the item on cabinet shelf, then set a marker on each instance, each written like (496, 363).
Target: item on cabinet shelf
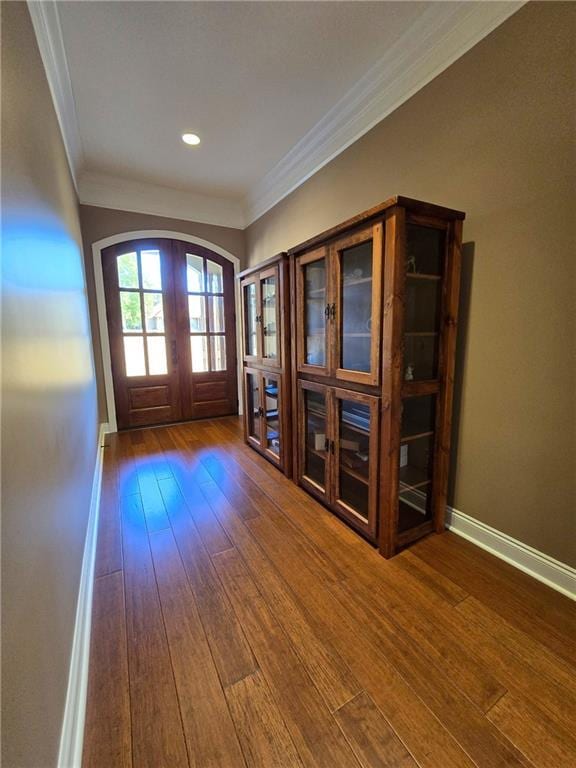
(409, 374)
(403, 455)
(319, 441)
(354, 460)
(349, 445)
(411, 263)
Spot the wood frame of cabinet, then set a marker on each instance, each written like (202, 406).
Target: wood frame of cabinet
(333, 309)
(258, 364)
(330, 492)
(387, 383)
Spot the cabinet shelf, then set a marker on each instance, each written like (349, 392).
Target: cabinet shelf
(422, 276)
(355, 281)
(412, 477)
(417, 436)
(430, 334)
(354, 473)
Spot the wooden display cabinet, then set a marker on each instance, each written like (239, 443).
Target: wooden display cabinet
(374, 320)
(266, 358)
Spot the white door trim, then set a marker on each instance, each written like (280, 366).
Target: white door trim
(140, 234)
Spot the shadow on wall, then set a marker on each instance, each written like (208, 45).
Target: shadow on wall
(461, 350)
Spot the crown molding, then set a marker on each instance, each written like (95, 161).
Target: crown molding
(105, 191)
(441, 35)
(46, 23)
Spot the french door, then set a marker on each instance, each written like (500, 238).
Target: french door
(171, 324)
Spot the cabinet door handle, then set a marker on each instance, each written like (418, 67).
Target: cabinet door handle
(333, 311)
(326, 445)
(174, 353)
(332, 446)
(327, 311)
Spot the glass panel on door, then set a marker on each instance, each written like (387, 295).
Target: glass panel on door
(269, 290)
(205, 284)
(272, 412)
(315, 439)
(425, 249)
(142, 313)
(250, 314)
(356, 307)
(253, 405)
(315, 306)
(416, 461)
(354, 429)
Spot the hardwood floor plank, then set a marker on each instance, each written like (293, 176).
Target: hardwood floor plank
(327, 669)
(157, 735)
(418, 728)
(265, 740)
(179, 439)
(493, 590)
(450, 648)
(209, 730)
(534, 733)
(152, 502)
(431, 578)
(107, 733)
(126, 466)
(373, 741)
(442, 657)
(183, 493)
(230, 649)
(341, 609)
(109, 545)
(313, 729)
(158, 462)
(242, 491)
(536, 657)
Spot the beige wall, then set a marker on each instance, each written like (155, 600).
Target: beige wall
(493, 136)
(98, 223)
(49, 418)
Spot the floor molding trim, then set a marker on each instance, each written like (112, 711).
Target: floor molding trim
(72, 736)
(551, 572)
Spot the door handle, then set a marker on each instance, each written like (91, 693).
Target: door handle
(333, 311)
(174, 353)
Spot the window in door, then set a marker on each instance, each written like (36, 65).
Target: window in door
(142, 313)
(205, 285)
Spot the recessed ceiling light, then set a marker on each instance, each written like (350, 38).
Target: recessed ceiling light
(191, 138)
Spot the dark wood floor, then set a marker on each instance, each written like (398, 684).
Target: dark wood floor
(238, 623)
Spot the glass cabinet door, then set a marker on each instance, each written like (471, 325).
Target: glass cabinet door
(425, 256)
(415, 475)
(357, 308)
(270, 316)
(253, 406)
(314, 442)
(250, 309)
(313, 312)
(272, 427)
(356, 458)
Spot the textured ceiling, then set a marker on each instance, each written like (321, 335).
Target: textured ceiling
(250, 78)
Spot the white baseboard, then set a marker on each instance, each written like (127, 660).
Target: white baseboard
(551, 572)
(72, 736)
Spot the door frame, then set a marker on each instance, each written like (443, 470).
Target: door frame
(143, 234)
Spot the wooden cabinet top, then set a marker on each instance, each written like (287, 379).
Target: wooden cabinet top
(416, 206)
(262, 265)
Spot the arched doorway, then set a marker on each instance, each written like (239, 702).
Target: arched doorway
(170, 328)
